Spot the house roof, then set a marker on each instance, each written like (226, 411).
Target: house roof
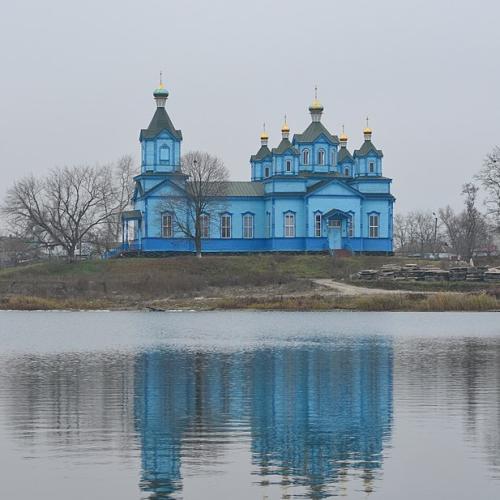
(131, 214)
(160, 121)
(284, 146)
(344, 156)
(313, 131)
(368, 149)
(263, 152)
(237, 188)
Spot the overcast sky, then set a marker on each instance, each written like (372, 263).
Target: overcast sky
(77, 78)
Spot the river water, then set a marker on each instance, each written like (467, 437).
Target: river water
(249, 405)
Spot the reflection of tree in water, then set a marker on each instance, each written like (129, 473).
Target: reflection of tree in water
(314, 414)
(463, 378)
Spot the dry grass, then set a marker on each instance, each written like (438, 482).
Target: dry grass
(397, 302)
(27, 303)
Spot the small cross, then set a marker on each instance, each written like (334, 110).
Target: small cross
(367, 122)
(264, 126)
(315, 92)
(161, 77)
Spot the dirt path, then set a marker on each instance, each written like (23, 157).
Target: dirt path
(352, 290)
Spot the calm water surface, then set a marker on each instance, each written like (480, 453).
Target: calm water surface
(249, 406)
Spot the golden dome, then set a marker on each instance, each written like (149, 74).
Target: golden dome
(264, 135)
(367, 130)
(316, 106)
(343, 137)
(285, 127)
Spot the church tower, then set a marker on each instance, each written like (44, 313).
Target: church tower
(161, 141)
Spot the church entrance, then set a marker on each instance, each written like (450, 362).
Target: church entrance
(334, 234)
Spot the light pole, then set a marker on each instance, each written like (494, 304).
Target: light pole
(435, 232)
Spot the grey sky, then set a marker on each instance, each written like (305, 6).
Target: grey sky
(77, 77)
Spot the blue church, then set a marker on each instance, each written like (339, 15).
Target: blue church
(307, 194)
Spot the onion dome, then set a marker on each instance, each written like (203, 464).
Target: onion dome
(160, 94)
(316, 108)
(285, 129)
(264, 136)
(343, 138)
(367, 131)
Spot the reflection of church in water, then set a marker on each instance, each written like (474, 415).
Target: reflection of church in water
(316, 416)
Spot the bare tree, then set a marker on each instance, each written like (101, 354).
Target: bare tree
(106, 236)
(205, 189)
(489, 176)
(62, 208)
(468, 230)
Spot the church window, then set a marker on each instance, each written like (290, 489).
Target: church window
(166, 225)
(305, 157)
(205, 226)
(321, 157)
(289, 225)
(248, 226)
(346, 171)
(350, 227)
(288, 165)
(371, 167)
(165, 154)
(266, 172)
(225, 226)
(317, 225)
(374, 225)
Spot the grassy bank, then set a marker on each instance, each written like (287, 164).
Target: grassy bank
(398, 302)
(221, 282)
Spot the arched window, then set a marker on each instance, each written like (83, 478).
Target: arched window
(321, 157)
(266, 172)
(225, 226)
(305, 157)
(248, 226)
(165, 154)
(167, 230)
(205, 225)
(289, 165)
(346, 171)
(371, 167)
(317, 225)
(289, 225)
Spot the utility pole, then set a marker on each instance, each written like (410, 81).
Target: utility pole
(435, 233)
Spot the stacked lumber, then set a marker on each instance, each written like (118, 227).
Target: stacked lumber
(492, 275)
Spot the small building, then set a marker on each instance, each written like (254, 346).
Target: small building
(309, 193)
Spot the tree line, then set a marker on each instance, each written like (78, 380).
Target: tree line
(463, 233)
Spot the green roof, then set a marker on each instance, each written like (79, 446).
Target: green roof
(368, 149)
(344, 156)
(263, 152)
(161, 121)
(312, 132)
(236, 188)
(284, 146)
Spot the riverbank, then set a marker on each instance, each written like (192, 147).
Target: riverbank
(262, 282)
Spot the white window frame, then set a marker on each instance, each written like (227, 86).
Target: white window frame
(321, 157)
(248, 226)
(374, 225)
(318, 220)
(350, 226)
(170, 225)
(289, 225)
(226, 227)
(305, 157)
(288, 165)
(164, 161)
(205, 225)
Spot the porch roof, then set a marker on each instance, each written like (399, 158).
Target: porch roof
(132, 215)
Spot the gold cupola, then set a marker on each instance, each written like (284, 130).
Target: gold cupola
(285, 129)
(316, 108)
(367, 131)
(264, 136)
(343, 138)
